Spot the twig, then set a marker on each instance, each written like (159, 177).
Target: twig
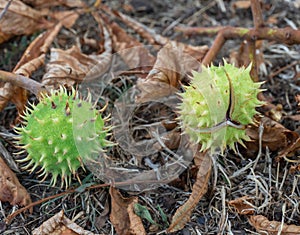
(286, 35)
(10, 217)
(257, 14)
(258, 23)
(22, 81)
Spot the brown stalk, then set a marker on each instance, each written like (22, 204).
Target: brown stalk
(21, 81)
(286, 35)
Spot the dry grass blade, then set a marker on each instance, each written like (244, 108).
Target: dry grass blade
(183, 213)
(265, 226)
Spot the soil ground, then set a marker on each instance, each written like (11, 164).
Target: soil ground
(269, 184)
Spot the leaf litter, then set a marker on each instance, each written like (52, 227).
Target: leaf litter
(263, 175)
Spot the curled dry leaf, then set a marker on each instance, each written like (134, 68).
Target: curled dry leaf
(136, 225)
(134, 53)
(20, 19)
(241, 206)
(265, 226)
(164, 79)
(275, 136)
(122, 214)
(183, 213)
(59, 224)
(67, 18)
(66, 67)
(10, 188)
(32, 59)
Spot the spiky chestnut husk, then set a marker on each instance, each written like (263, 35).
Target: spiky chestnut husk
(205, 113)
(60, 133)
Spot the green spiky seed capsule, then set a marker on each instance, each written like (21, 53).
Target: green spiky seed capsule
(217, 106)
(60, 133)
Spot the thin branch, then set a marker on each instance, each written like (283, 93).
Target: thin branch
(257, 14)
(215, 48)
(286, 35)
(22, 81)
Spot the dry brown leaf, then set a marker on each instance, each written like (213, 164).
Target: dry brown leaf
(59, 224)
(66, 67)
(39, 46)
(164, 79)
(183, 213)
(275, 136)
(290, 149)
(241, 206)
(134, 54)
(265, 226)
(16, 95)
(67, 18)
(20, 19)
(10, 188)
(136, 224)
(122, 215)
(32, 59)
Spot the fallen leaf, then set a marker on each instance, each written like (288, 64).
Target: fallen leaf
(134, 54)
(241, 206)
(20, 19)
(66, 67)
(32, 59)
(184, 212)
(67, 18)
(164, 79)
(59, 224)
(265, 226)
(290, 149)
(136, 225)
(275, 136)
(122, 216)
(10, 188)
